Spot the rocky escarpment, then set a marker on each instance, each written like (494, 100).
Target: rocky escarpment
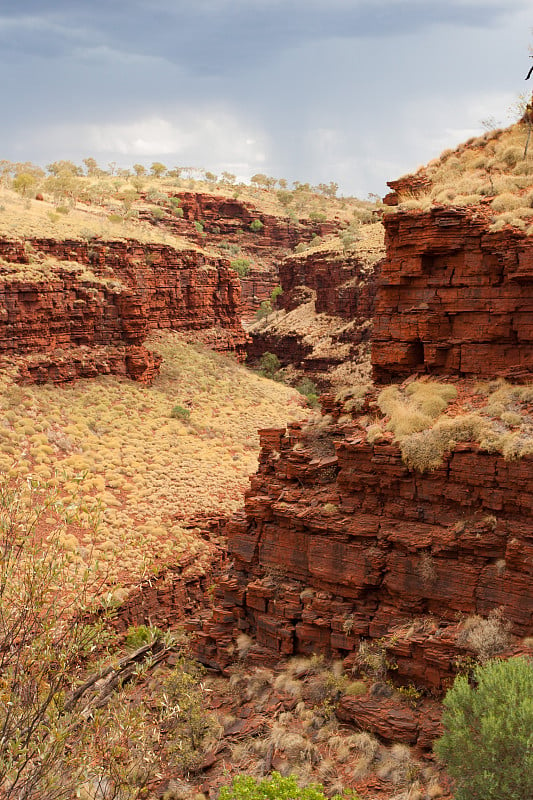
(326, 309)
(85, 308)
(340, 543)
(344, 549)
(223, 223)
(223, 216)
(453, 298)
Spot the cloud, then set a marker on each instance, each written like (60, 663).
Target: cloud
(202, 137)
(211, 37)
(353, 91)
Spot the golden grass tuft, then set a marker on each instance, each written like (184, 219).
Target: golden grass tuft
(414, 409)
(493, 167)
(425, 432)
(424, 450)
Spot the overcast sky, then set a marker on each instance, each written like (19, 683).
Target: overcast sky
(352, 91)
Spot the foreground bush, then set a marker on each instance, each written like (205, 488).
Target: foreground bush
(488, 732)
(73, 719)
(244, 787)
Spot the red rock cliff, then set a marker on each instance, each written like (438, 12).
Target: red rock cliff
(110, 294)
(221, 222)
(341, 543)
(453, 298)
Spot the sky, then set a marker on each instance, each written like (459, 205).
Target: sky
(356, 92)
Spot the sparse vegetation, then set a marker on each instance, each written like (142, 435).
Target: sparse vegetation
(179, 412)
(269, 365)
(495, 166)
(424, 433)
(143, 472)
(241, 266)
(309, 390)
(486, 636)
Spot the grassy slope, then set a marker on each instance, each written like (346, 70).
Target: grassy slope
(114, 445)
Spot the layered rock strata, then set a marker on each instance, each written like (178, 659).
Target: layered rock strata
(223, 223)
(453, 298)
(339, 286)
(57, 296)
(340, 543)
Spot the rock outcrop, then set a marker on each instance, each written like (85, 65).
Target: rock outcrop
(59, 296)
(342, 548)
(220, 223)
(453, 298)
(327, 306)
(340, 543)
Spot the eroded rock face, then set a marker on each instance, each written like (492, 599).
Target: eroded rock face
(215, 220)
(345, 286)
(62, 366)
(453, 299)
(110, 295)
(340, 543)
(340, 286)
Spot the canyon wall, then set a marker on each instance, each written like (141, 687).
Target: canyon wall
(342, 287)
(375, 544)
(60, 296)
(454, 299)
(340, 544)
(224, 224)
(341, 548)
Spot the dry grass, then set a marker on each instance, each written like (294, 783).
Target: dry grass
(25, 219)
(492, 169)
(414, 408)
(114, 444)
(42, 269)
(415, 415)
(109, 206)
(486, 636)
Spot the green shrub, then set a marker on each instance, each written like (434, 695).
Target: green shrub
(245, 787)
(137, 635)
(256, 225)
(157, 213)
(317, 216)
(179, 412)
(487, 744)
(309, 390)
(199, 226)
(187, 722)
(269, 364)
(241, 267)
(276, 292)
(24, 183)
(264, 310)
